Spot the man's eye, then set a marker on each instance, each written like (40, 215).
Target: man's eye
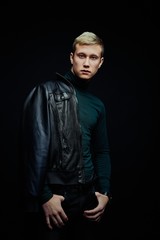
(81, 56)
(94, 57)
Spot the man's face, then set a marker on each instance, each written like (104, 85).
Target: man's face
(86, 60)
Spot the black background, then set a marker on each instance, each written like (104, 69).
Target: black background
(35, 42)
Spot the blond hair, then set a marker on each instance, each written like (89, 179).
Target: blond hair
(88, 38)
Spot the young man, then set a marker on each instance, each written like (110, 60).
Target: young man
(67, 165)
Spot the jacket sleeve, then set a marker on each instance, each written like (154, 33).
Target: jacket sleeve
(36, 139)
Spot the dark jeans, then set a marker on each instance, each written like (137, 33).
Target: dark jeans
(76, 201)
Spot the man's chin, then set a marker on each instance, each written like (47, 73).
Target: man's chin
(85, 77)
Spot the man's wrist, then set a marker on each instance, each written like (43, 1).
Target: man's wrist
(108, 194)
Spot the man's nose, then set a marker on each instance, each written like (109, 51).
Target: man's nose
(86, 62)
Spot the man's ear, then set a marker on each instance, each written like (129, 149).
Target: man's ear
(101, 62)
(71, 58)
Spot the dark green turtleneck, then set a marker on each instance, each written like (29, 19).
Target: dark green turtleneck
(95, 145)
(93, 123)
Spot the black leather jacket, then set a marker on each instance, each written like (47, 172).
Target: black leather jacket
(51, 136)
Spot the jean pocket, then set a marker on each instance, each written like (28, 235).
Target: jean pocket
(91, 201)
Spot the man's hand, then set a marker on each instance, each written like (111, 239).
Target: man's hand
(97, 213)
(54, 212)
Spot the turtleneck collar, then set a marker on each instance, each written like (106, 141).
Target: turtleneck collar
(76, 81)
